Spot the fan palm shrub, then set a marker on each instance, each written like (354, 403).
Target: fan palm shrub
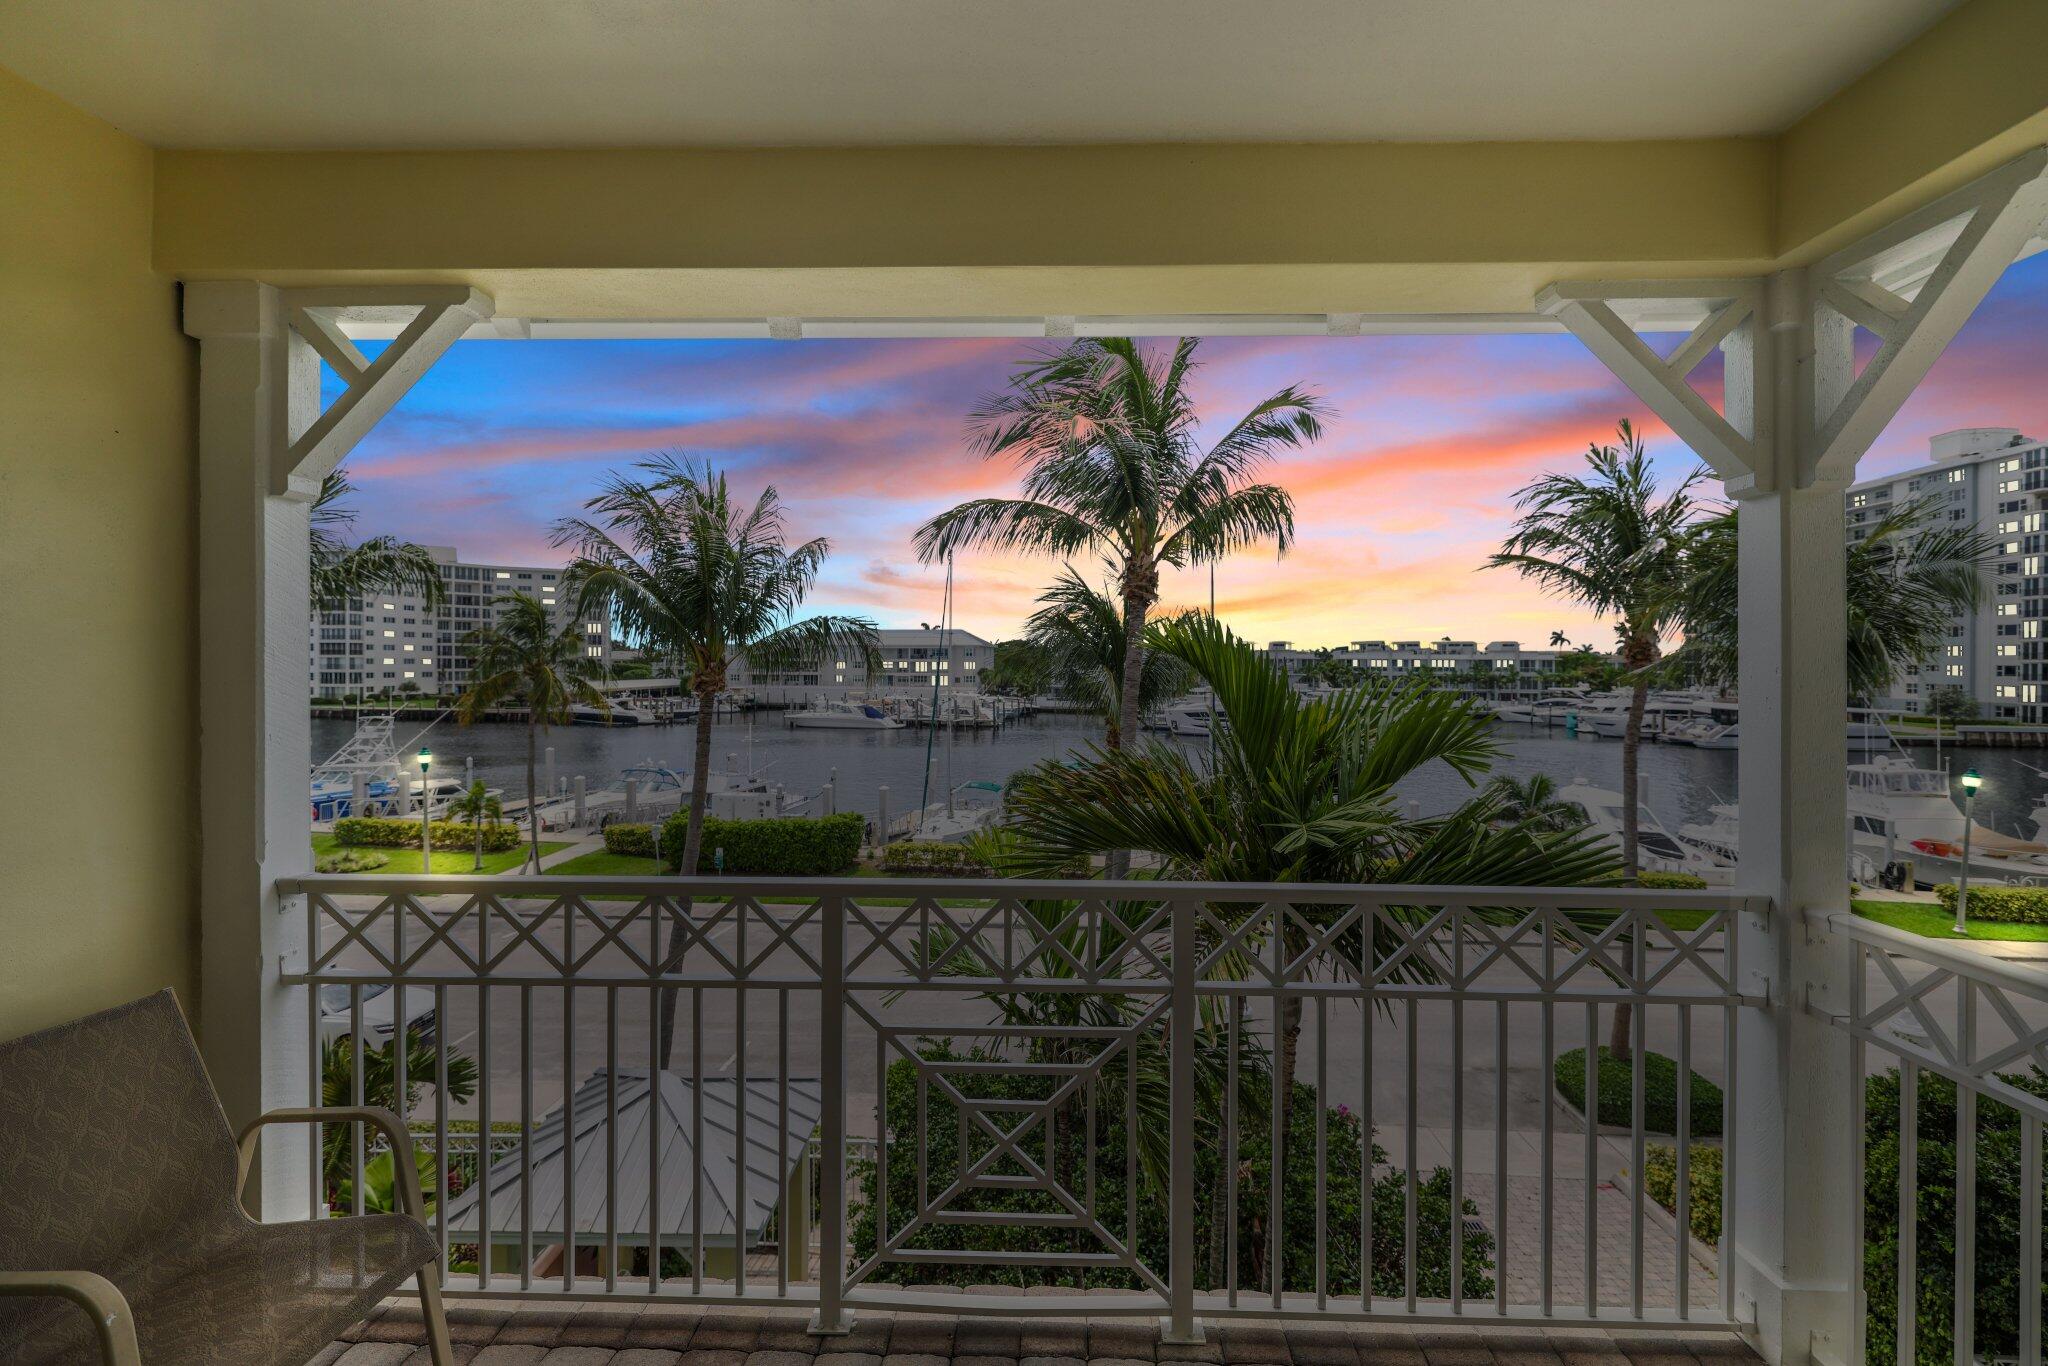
(1302, 790)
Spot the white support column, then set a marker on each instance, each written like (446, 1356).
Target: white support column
(264, 444)
(254, 731)
(1791, 1131)
(1796, 418)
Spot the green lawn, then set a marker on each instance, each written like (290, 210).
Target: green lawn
(601, 863)
(405, 861)
(1932, 922)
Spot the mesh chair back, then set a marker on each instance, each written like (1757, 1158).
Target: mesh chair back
(111, 1138)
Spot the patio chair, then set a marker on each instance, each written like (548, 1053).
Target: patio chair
(120, 1192)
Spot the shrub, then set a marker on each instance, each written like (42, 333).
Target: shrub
(631, 840)
(1671, 882)
(1998, 1216)
(1660, 1092)
(933, 858)
(350, 861)
(397, 832)
(1340, 1200)
(794, 846)
(2010, 905)
(1703, 1181)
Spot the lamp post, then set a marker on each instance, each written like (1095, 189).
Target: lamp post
(426, 818)
(1971, 782)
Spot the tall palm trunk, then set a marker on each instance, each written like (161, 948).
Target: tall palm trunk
(1140, 589)
(1631, 823)
(532, 791)
(693, 849)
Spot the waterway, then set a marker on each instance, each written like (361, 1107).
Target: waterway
(1681, 783)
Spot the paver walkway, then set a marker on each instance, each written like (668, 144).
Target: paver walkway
(513, 1334)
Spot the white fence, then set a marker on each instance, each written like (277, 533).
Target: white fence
(1935, 1016)
(1077, 1084)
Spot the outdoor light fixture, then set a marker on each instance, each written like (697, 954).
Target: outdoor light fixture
(426, 758)
(1971, 781)
(426, 819)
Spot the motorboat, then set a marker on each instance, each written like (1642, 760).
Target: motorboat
(652, 790)
(1902, 811)
(826, 715)
(1657, 849)
(1713, 724)
(1195, 718)
(1548, 709)
(368, 771)
(608, 713)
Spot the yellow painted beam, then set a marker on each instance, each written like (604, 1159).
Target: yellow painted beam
(1966, 96)
(953, 230)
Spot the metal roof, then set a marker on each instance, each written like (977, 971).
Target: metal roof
(674, 1115)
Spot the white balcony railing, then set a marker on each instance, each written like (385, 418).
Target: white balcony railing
(1978, 1025)
(1075, 1084)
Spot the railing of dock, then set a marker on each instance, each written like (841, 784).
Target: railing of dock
(1076, 1086)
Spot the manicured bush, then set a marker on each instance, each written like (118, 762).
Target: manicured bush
(1339, 1198)
(350, 861)
(794, 846)
(1998, 1218)
(1660, 1092)
(399, 832)
(933, 858)
(631, 840)
(1671, 882)
(1703, 1180)
(2009, 905)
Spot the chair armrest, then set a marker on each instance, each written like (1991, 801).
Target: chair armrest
(405, 1169)
(99, 1297)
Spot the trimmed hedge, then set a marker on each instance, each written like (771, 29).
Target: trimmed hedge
(398, 832)
(1703, 1177)
(1671, 882)
(1660, 1092)
(793, 846)
(933, 858)
(2008, 905)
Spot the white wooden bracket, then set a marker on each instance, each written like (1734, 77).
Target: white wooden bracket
(1789, 339)
(433, 317)
(1912, 285)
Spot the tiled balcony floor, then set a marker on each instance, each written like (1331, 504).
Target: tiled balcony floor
(503, 1334)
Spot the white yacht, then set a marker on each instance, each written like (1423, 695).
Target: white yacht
(1896, 805)
(1548, 709)
(1656, 847)
(1713, 724)
(1194, 717)
(826, 715)
(608, 713)
(1663, 713)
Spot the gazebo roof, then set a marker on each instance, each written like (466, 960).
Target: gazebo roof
(671, 1108)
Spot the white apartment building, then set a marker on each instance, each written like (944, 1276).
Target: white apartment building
(1997, 479)
(914, 663)
(1508, 666)
(382, 642)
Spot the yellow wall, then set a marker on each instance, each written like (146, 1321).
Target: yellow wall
(97, 861)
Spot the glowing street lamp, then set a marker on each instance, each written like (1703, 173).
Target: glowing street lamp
(1971, 781)
(426, 803)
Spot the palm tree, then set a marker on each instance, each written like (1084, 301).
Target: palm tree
(477, 806)
(689, 571)
(1533, 803)
(1078, 635)
(1113, 465)
(1906, 578)
(523, 657)
(1558, 640)
(1619, 544)
(341, 571)
(1301, 791)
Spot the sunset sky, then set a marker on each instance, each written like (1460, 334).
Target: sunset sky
(1397, 506)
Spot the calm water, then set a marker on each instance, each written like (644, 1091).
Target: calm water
(1681, 782)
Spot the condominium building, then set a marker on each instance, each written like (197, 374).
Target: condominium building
(382, 642)
(913, 662)
(1996, 479)
(1503, 666)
